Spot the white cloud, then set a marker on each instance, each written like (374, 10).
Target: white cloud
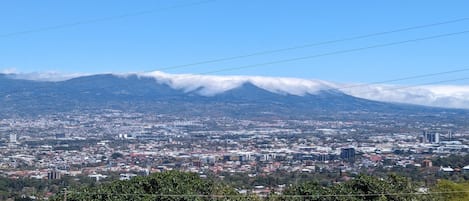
(9, 71)
(456, 96)
(210, 85)
(452, 96)
(45, 76)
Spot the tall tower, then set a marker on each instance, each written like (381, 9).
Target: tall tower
(347, 154)
(437, 138)
(432, 137)
(13, 138)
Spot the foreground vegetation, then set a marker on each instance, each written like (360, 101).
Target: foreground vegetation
(167, 186)
(178, 186)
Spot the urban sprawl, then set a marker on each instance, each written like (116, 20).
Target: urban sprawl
(97, 144)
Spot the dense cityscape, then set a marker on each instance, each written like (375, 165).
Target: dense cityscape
(112, 142)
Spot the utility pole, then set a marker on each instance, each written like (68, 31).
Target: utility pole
(65, 194)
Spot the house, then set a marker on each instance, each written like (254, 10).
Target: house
(465, 169)
(446, 169)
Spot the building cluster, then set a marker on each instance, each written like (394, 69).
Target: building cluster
(129, 144)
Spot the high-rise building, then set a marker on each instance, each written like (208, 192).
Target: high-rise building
(53, 174)
(431, 137)
(13, 138)
(347, 154)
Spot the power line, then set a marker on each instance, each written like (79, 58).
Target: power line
(339, 88)
(430, 83)
(388, 89)
(395, 88)
(358, 85)
(405, 78)
(289, 196)
(313, 44)
(103, 19)
(354, 50)
(337, 52)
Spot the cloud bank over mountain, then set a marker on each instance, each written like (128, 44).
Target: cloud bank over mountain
(439, 95)
(450, 96)
(209, 85)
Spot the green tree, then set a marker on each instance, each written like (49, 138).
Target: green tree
(167, 186)
(451, 191)
(362, 187)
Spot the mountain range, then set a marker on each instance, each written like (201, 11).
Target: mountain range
(156, 92)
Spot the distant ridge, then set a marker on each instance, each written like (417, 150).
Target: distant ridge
(448, 96)
(145, 93)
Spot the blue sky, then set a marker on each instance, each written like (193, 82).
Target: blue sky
(225, 28)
